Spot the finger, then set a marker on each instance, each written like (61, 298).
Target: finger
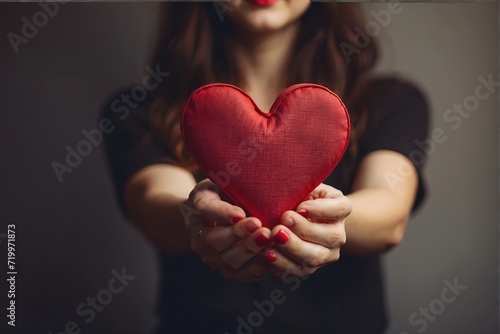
(223, 237)
(327, 235)
(196, 227)
(330, 209)
(304, 253)
(255, 268)
(284, 267)
(325, 191)
(214, 209)
(237, 256)
(280, 264)
(207, 202)
(255, 272)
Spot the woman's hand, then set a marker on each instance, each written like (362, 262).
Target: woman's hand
(223, 237)
(311, 236)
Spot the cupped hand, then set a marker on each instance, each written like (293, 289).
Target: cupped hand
(311, 236)
(224, 238)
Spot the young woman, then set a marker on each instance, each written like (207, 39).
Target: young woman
(223, 272)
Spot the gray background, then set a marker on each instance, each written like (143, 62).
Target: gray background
(70, 235)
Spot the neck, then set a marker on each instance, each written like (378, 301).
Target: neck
(263, 63)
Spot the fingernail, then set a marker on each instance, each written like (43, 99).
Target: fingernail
(250, 227)
(271, 257)
(261, 240)
(281, 237)
(303, 213)
(289, 222)
(236, 219)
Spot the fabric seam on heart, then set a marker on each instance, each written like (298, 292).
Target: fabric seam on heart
(282, 97)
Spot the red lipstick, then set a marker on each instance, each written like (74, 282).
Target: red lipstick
(262, 2)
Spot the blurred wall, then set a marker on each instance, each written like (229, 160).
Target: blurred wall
(71, 235)
(449, 49)
(72, 241)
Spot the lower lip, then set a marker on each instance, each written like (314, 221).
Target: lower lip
(262, 2)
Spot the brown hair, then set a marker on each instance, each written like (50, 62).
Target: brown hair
(194, 45)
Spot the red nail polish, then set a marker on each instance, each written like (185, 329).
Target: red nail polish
(261, 240)
(236, 219)
(271, 257)
(250, 227)
(281, 237)
(303, 213)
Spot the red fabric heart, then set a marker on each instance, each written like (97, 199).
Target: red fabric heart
(266, 163)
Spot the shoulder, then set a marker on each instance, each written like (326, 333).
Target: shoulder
(129, 127)
(397, 120)
(392, 107)
(126, 112)
(396, 116)
(130, 145)
(393, 85)
(122, 103)
(385, 96)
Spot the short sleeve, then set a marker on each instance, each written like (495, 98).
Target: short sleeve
(400, 125)
(129, 145)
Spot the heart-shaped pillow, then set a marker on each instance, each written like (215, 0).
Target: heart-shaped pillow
(266, 163)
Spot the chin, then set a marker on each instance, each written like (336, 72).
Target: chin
(263, 16)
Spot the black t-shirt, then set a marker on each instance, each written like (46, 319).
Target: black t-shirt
(343, 297)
